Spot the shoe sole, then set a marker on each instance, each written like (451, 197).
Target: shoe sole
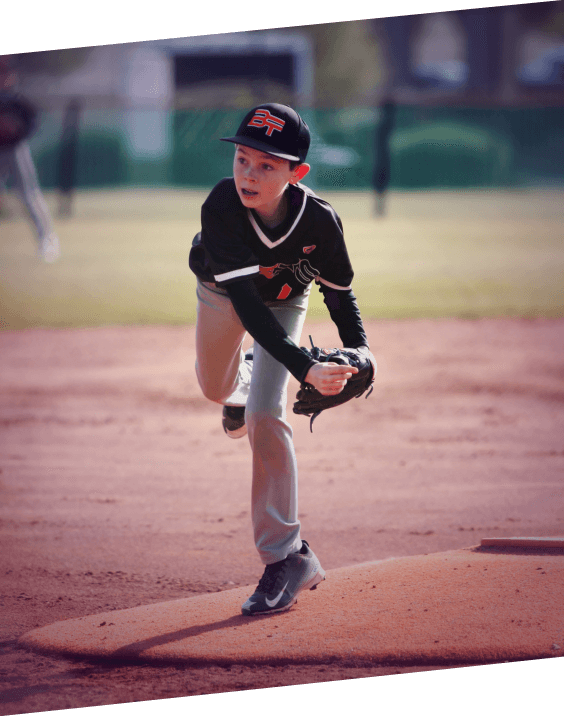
(229, 425)
(312, 584)
(236, 434)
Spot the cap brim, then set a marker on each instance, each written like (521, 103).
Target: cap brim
(261, 147)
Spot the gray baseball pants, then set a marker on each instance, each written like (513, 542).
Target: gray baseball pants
(261, 385)
(18, 163)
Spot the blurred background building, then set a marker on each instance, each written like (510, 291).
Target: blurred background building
(478, 99)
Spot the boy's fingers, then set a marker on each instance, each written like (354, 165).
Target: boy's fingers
(337, 369)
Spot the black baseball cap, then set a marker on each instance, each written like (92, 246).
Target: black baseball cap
(275, 129)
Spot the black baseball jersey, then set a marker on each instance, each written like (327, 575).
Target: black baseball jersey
(258, 265)
(307, 246)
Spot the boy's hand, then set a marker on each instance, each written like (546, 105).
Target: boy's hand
(337, 376)
(329, 378)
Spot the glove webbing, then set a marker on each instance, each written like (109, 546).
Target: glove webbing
(315, 353)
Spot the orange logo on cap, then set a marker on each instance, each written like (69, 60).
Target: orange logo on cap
(263, 118)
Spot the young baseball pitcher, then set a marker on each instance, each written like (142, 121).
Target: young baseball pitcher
(265, 238)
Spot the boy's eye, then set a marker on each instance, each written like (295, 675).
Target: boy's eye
(264, 166)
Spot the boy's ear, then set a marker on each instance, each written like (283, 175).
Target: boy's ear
(299, 173)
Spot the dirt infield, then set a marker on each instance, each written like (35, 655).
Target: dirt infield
(119, 488)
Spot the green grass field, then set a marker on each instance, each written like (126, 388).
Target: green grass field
(124, 257)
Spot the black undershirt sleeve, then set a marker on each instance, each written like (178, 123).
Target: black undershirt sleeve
(345, 314)
(260, 322)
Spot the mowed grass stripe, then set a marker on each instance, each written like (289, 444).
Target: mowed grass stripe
(125, 258)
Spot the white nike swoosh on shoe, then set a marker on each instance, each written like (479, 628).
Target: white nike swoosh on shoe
(274, 602)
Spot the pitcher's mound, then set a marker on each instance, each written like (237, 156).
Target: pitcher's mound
(464, 606)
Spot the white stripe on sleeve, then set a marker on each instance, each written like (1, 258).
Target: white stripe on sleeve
(333, 285)
(237, 273)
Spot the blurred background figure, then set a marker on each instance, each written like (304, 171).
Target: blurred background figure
(68, 158)
(17, 123)
(382, 164)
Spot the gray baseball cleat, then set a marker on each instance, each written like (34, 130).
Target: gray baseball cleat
(282, 581)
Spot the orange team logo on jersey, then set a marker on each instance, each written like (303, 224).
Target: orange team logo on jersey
(284, 292)
(303, 271)
(263, 118)
(269, 271)
(309, 249)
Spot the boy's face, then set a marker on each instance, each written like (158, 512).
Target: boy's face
(261, 179)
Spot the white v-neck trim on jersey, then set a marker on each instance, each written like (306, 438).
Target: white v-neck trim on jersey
(264, 238)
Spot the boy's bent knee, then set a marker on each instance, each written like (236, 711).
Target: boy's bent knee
(212, 390)
(215, 396)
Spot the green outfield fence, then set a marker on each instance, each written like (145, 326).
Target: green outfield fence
(430, 148)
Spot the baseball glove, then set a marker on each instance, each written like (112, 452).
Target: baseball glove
(311, 402)
(17, 120)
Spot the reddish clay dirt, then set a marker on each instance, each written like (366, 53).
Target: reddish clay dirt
(119, 487)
